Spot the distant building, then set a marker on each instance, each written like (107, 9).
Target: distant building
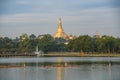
(60, 32)
(71, 37)
(97, 35)
(24, 36)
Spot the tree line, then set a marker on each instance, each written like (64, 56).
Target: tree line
(46, 43)
(104, 44)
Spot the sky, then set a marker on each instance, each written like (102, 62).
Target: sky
(79, 17)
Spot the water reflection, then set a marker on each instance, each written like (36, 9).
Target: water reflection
(59, 73)
(61, 69)
(109, 68)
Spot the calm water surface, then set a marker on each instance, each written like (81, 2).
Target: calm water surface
(60, 68)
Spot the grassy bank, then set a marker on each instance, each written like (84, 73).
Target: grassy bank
(64, 54)
(74, 54)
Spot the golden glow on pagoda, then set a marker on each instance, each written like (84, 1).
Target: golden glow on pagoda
(60, 32)
(97, 35)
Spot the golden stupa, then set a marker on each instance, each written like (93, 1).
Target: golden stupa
(60, 32)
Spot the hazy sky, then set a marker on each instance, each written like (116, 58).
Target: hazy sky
(79, 17)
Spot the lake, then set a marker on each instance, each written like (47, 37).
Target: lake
(60, 68)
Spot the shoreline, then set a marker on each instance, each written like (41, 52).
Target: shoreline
(75, 54)
(64, 54)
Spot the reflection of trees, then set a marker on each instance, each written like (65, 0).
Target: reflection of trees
(71, 64)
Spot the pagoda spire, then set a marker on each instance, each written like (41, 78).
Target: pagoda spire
(60, 21)
(60, 32)
(60, 29)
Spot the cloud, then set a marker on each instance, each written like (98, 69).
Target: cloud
(41, 16)
(95, 16)
(24, 18)
(51, 6)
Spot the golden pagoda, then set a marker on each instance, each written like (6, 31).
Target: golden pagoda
(60, 32)
(97, 35)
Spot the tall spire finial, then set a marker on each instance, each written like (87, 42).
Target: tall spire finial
(60, 21)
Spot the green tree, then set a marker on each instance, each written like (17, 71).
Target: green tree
(24, 46)
(44, 42)
(117, 45)
(83, 43)
(32, 37)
